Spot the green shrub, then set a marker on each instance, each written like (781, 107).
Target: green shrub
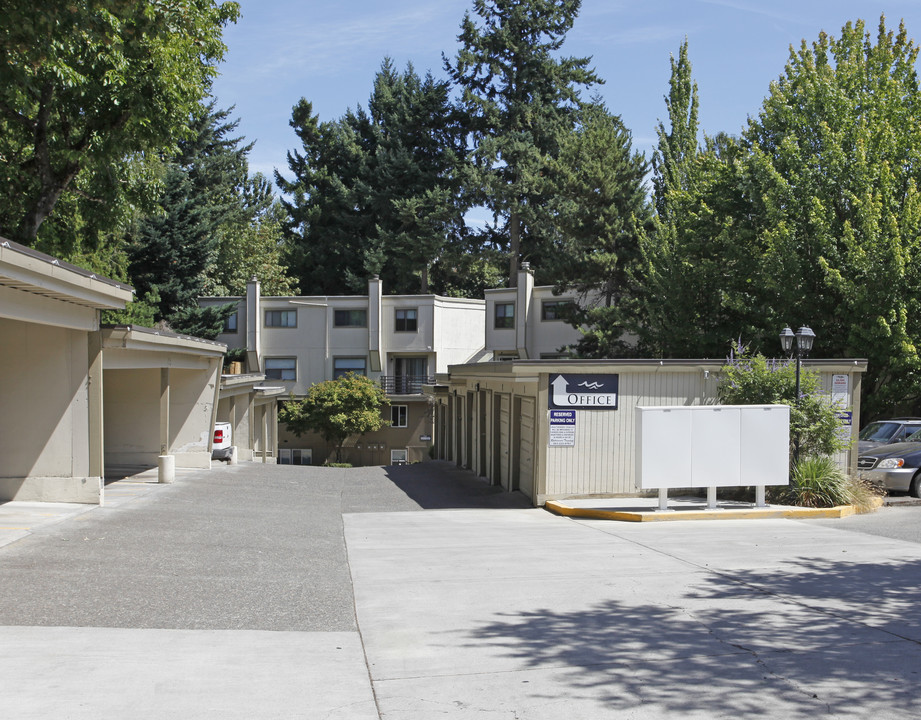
(819, 482)
(749, 379)
(338, 465)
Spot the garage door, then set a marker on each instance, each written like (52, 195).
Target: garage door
(503, 439)
(526, 448)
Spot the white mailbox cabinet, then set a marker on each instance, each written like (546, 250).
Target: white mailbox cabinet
(710, 446)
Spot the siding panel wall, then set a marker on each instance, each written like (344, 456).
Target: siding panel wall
(603, 459)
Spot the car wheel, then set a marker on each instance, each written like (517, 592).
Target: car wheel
(915, 488)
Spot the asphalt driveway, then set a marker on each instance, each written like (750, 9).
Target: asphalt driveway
(420, 592)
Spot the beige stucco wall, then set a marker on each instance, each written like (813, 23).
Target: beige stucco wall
(44, 425)
(131, 407)
(143, 371)
(373, 448)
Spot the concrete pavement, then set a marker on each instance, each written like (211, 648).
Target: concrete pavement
(285, 592)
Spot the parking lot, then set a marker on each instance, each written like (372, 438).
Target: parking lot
(420, 592)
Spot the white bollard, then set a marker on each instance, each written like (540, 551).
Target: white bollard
(166, 468)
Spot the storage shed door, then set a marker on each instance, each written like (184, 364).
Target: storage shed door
(526, 448)
(503, 439)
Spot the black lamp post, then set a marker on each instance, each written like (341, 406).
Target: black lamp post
(804, 338)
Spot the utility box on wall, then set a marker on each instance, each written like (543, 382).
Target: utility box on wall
(712, 446)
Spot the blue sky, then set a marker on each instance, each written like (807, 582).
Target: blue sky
(328, 52)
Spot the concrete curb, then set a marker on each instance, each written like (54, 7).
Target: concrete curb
(754, 513)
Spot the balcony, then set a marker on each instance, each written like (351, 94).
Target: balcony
(405, 384)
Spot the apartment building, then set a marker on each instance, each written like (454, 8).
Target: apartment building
(400, 340)
(526, 322)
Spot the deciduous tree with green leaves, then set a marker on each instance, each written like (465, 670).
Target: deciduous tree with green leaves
(337, 410)
(85, 86)
(833, 178)
(752, 379)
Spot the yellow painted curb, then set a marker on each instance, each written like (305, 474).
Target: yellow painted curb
(719, 514)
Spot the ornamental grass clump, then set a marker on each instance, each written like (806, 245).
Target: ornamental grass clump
(819, 482)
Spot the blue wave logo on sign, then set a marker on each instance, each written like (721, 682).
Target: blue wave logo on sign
(586, 392)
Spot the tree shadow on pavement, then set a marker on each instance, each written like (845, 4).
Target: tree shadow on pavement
(830, 638)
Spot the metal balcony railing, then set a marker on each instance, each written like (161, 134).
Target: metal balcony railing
(405, 384)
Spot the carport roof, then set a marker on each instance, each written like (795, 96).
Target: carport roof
(31, 271)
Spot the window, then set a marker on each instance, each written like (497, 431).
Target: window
(397, 416)
(350, 318)
(295, 456)
(505, 315)
(281, 368)
(553, 309)
(230, 324)
(398, 457)
(406, 320)
(343, 365)
(281, 318)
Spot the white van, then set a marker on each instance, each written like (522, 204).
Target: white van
(223, 442)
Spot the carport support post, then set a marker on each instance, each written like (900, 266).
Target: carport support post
(166, 463)
(759, 496)
(164, 411)
(265, 429)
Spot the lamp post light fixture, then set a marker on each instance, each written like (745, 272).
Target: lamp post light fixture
(804, 339)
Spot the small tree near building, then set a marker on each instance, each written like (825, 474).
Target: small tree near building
(753, 379)
(337, 410)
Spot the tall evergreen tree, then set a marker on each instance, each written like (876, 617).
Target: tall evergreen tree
(326, 228)
(379, 191)
(600, 208)
(697, 260)
(209, 204)
(521, 98)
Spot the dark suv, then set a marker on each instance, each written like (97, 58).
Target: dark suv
(884, 432)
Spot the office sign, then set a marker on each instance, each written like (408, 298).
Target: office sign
(562, 428)
(587, 392)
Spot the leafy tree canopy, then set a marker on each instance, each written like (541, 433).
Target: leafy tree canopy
(337, 409)
(752, 379)
(83, 86)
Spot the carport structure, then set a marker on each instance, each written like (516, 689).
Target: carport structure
(51, 368)
(161, 395)
(251, 408)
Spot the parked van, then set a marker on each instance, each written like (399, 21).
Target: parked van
(223, 442)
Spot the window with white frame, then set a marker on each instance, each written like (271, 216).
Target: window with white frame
(344, 365)
(398, 457)
(398, 416)
(281, 318)
(281, 368)
(505, 315)
(406, 320)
